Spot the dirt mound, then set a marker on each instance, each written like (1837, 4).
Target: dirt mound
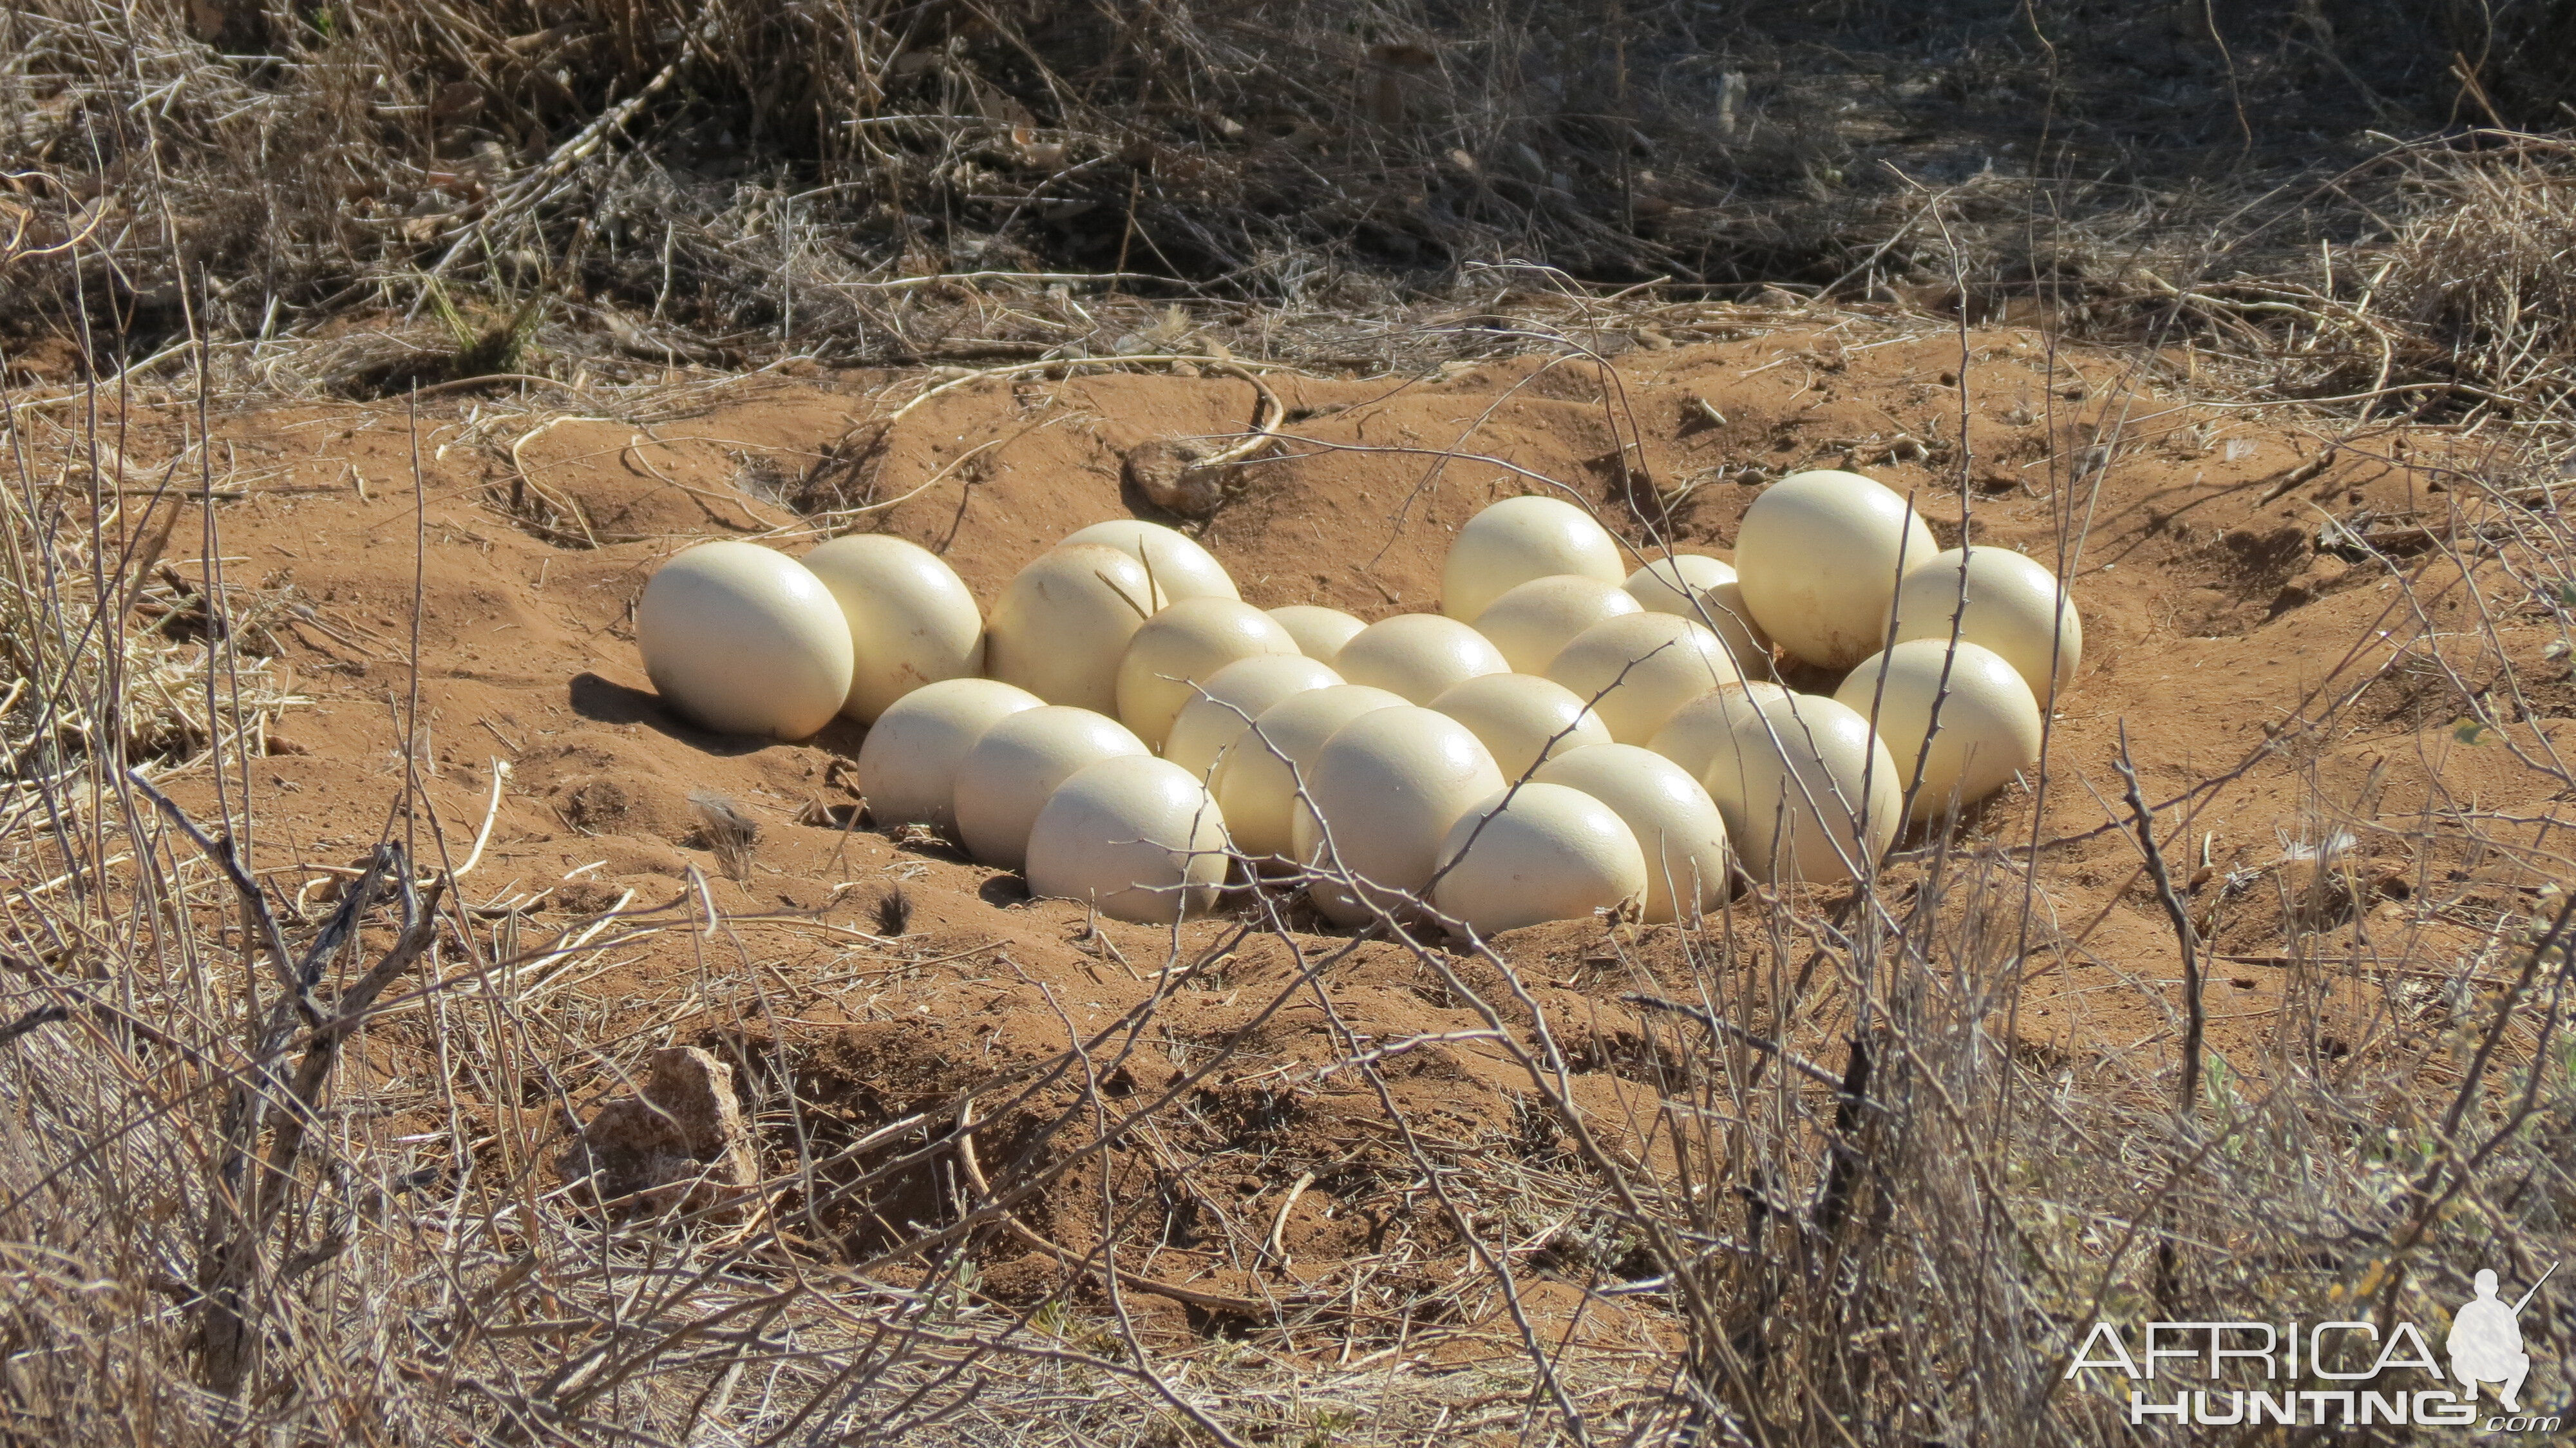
(874, 980)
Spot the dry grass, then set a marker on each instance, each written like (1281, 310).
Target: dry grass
(415, 193)
(1865, 1207)
(2457, 306)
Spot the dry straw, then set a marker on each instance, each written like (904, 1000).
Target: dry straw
(1853, 1198)
(637, 188)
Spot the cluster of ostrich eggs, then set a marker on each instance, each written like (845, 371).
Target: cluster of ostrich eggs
(1579, 729)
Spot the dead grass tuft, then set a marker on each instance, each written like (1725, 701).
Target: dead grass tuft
(725, 829)
(2476, 278)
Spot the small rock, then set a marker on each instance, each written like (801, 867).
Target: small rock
(1171, 476)
(681, 1142)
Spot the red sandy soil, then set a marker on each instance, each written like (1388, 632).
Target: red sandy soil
(2214, 629)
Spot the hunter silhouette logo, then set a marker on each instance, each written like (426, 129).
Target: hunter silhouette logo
(2486, 1342)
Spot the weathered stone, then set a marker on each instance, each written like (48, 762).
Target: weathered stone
(1174, 476)
(680, 1142)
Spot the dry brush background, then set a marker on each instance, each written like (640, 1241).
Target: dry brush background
(1878, 1224)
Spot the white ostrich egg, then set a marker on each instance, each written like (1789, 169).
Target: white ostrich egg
(1519, 539)
(1705, 589)
(1181, 568)
(1418, 655)
(1387, 787)
(1533, 621)
(1256, 777)
(1063, 624)
(1184, 646)
(1702, 727)
(1008, 774)
(2014, 607)
(1320, 632)
(1668, 584)
(1235, 696)
(1818, 558)
(1636, 669)
(1677, 826)
(1988, 729)
(1797, 782)
(908, 763)
(912, 622)
(1539, 852)
(744, 640)
(1135, 837)
(1519, 717)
